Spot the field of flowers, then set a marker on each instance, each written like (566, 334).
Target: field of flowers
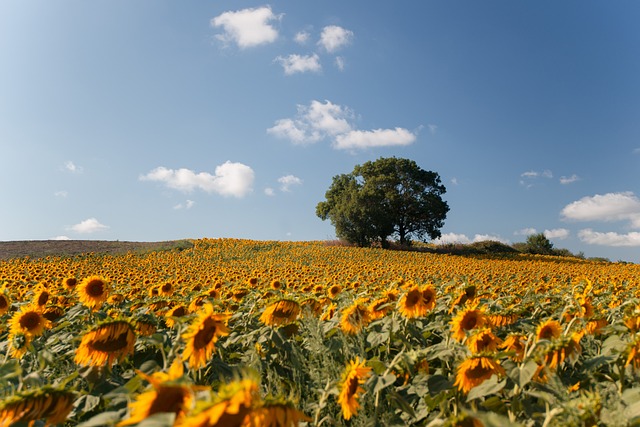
(250, 333)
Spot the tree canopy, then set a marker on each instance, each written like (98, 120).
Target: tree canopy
(389, 197)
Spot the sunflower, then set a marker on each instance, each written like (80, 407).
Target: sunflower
(515, 343)
(329, 312)
(166, 289)
(93, 291)
(354, 318)
(5, 303)
(51, 404)
(276, 284)
(466, 320)
(166, 396)
(548, 330)
(277, 414)
(53, 313)
(483, 340)
(177, 311)
(475, 370)
(562, 348)
(355, 374)
(105, 343)
(281, 312)
(379, 308)
(29, 321)
(417, 302)
(633, 356)
(466, 296)
(334, 291)
(19, 344)
(41, 297)
(69, 283)
(202, 335)
(232, 406)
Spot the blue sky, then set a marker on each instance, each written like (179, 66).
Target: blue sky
(155, 120)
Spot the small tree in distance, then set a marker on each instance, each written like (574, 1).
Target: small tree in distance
(387, 197)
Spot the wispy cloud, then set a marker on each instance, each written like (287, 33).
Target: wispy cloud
(340, 63)
(610, 238)
(229, 179)
(326, 120)
(623, 206)
(187, 205)
(358, 139)
(569, 179)
(72, 167)
(300, 63)
(301, 37)
(333, 38)
(62, 194)
(525, 231)
(462, 238)
(269, 191)
(88, 226)
(530, 177)
(247, 27)
(287, 181)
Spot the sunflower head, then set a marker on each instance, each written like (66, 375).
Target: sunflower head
(467, 320)
(475, 370)
(48, 403)
(355, 317)
(105, 343)
(93, 291)
(202, 335)
(29, 321)
(281, 312)
(548, 330)
(355, 374)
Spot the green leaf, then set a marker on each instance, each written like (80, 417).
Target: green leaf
(613, 346)
(631, 397)
(164, 419)
(527, 371)
(399, 402)
(104, 419)
(384, 382)
(376, 338)
(438, 384)
(490, 386)
(9, 370)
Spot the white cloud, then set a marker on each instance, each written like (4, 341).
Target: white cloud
(269, 191)
(525, 231)
(229, 179)
(374, 138)
(320, 121)
(334, 37)
(556, 233)
(610, 238)
(485, 237)
(454, 181)
(451, 238)
(88, 226)
(462, 238)
(187, 205)
(624, 206)
(432, 129)
(301, 37)
(247, 27)
(299, 64)
(287, 181)
(340, 63)
(529, 174)
(72, 167)
(569, 179)
(61, 238)
(313, 123)
(61, 193)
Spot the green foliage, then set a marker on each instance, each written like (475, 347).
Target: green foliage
(387, 197)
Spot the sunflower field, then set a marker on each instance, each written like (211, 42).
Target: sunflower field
(253, 333)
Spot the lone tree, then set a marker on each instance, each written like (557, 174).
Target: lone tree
(388, 197)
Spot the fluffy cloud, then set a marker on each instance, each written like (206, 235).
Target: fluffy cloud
(313, 123)
(557, 233)
(374, 138)
(624, 206)
(299, 64)
(610, 238)
(229, 179)
(462, 238)
(320, 121)
(334, 38)
(247, 27)
(88, 226)
(525, 231)
(61, 238)
(287, 181)
(269, 191)
(301, 37)
(569, 179)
